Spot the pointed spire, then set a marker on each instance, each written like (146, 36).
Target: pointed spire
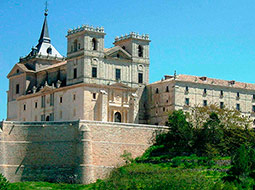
(45, 37)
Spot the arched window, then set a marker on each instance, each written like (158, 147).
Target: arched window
(140, 51)
(94, 44)
(75, 45)
(156, 90)
(117, 117)
(48, 118)
(167, 89)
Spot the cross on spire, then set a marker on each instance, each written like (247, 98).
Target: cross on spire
(46, 8)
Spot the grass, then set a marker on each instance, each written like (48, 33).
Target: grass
(180, 173)
(46, 186)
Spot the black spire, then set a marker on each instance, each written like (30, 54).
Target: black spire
(45, 37)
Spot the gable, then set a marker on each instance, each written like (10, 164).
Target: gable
(118, 53)
(18, 69)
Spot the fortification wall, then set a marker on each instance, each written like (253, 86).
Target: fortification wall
(80, 151)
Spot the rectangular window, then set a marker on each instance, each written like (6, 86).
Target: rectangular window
(238, 107)
(60, 99)
(187, 101)
(75, 73)
(43, 117)
(74, 97)
(52, 117)
(35, 104)
(24, 107)
(238, 95)
(253, 97)
(253, 108)
(140, 77)
(205, 91)
(94, 72)
(43, 101)
(17, 88)
(117, 74)
(186, 88)
(221, 92)
(51, 99)
(221, 105)
(205, 102)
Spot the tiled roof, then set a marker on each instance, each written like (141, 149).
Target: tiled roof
(208, 81)
(216, 82)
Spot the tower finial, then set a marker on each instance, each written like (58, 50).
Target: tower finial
(46, 8)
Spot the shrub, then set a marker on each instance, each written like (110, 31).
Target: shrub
(4, 183)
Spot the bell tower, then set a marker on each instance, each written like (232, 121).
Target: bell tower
(85, 51)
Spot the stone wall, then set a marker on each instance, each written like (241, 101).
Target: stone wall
(80, 151)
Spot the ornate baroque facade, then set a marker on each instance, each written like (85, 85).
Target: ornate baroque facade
(109, 84)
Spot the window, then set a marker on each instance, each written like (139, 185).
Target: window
(17, 71)
(187, 89)
(140, 77)
(205, 102)
(24, 107)
(156, 90)
(94, 96)
(74, 97)
(205, 91)
(238, 95)
(75, 73)
(60, 99)
(253, 108)
(94, 72)
(49, 50)
(167, 89)
(117, 74)
(75, 45)
(35, 104)
(51, 99)
(43, 101)
(51, 116)
(221, 105)
(238, 107)
(221, 93)
(123, 47)
(118, 55)
(79, 46)
(140, 51)
(187, 101)
(253, 97)
(164, 109)
(17, 88)
(43, 117)
(94, 44)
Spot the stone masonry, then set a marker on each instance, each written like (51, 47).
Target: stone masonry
(74, 151)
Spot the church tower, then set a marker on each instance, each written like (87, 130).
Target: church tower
(85, 51)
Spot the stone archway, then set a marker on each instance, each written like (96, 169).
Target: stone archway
(117, 117)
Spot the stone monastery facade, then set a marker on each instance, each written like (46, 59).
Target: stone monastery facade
(109, 84)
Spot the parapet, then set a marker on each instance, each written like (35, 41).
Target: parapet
(134, 36)
(86, 28)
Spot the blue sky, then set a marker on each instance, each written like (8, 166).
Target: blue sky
(211, 38)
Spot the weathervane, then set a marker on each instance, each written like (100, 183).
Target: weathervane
(46, 8)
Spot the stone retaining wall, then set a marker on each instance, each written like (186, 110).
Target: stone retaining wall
(80, 151)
